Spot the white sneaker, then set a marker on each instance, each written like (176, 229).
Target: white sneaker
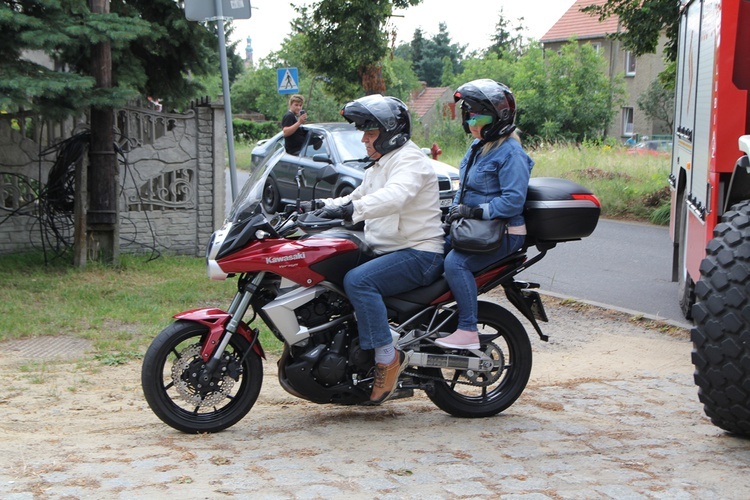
(460, 339)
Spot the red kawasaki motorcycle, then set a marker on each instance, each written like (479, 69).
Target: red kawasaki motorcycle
(203, 373)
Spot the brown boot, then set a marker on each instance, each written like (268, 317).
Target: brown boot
(386, 378)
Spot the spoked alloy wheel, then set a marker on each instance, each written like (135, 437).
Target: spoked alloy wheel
(483, 394)
(174, 389)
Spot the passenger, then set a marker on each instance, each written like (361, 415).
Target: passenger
(495, 176)
(399, 202)
(291, 125)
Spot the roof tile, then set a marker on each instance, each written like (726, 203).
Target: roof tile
(426, 99)
(581, 24)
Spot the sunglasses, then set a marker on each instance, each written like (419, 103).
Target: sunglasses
(475, 120)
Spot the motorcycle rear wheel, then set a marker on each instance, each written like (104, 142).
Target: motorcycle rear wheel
(170, 390)
(502, 337)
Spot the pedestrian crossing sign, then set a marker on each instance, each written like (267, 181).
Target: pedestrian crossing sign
(288, 80)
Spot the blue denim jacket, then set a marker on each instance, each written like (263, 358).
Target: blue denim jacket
(498, 181)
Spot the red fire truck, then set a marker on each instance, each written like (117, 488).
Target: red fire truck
(710, 187)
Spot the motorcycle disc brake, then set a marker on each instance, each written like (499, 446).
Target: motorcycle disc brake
(184, 376)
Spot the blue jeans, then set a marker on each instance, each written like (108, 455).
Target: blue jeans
(459, 273)
(387, 275)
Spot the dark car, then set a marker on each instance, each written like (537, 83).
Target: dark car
(336, 144)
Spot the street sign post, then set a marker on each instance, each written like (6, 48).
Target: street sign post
(220, 10)
(287, 80)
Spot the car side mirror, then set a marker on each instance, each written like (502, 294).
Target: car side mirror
(322, 158)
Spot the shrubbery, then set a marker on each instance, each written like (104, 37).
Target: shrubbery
(249, 131)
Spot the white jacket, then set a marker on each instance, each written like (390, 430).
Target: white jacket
(399, 200)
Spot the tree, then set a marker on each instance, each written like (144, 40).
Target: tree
(64, 30)
(346, 40)
(429, 67)
(643, 21)
(507, 41)
(400, 79)
(566, 95)
(489, 66)
(658, 103)
(154, 52)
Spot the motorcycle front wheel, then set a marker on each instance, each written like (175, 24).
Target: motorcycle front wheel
(172, 385)
(477, 395)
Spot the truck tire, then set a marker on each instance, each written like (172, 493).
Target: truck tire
(721, 336)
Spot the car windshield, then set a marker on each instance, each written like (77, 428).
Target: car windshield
(350, 145)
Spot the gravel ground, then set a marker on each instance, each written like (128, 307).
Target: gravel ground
(610, 412)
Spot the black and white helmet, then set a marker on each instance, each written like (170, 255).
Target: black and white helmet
(388, 114)
(488, 97)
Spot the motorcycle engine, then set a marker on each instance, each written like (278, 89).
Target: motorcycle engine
(334, 354)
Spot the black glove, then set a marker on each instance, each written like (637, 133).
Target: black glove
(465, 212)
(336, 212)
(309, 206)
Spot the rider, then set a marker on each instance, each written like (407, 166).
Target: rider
(398, 201)
(495, 177)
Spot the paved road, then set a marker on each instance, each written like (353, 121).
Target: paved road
(610, 412)
(622, 265)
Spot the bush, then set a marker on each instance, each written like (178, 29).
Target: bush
(249, 131)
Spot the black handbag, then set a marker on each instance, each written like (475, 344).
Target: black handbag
(476, 235)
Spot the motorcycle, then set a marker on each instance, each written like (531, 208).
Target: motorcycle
(203, 373)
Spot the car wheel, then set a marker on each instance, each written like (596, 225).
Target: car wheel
(345, 190)
(270, 197)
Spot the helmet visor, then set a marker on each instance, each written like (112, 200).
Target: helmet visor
(478, 120)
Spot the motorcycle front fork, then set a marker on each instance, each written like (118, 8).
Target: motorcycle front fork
(237, 309)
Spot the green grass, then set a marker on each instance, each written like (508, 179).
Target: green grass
(630, 187)
(118, 310)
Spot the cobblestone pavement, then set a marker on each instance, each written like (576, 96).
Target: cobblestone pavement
(610, 412)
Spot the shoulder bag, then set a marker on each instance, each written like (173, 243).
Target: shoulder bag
(476, 235)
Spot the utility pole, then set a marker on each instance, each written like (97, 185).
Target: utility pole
(102, 239)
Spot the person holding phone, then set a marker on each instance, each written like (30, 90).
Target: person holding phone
(291, 125)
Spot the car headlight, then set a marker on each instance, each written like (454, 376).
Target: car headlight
(455, 183)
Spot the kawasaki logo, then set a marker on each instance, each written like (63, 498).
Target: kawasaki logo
(285, 258)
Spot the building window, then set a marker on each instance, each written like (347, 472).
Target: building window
(627, 121)
(597, 47)
(629, 63)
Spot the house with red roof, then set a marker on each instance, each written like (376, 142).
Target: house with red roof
(428, 103)
(638, 72)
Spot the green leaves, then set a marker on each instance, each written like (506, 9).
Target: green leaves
(154, 49)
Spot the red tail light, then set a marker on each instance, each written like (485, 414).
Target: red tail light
(590, 197)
